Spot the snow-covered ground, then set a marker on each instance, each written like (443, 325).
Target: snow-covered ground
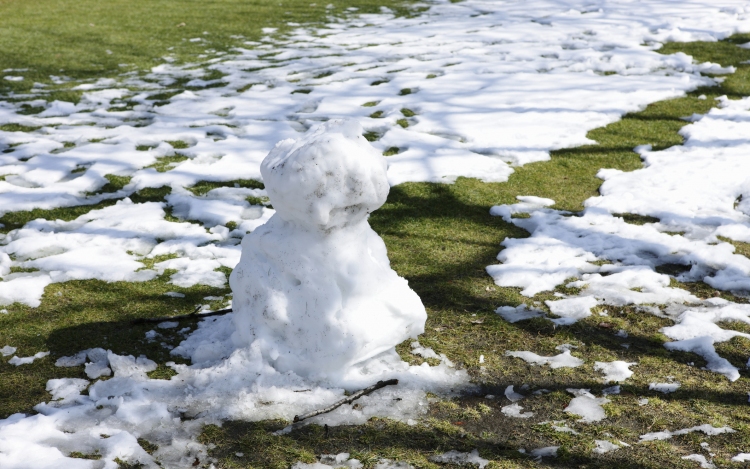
(465, 89)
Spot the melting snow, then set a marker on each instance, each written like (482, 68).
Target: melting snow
(515, 410)
(27, 360)
(664, 387)
(457, 457)
(563, 360)
(705, 428)
(587, 406)
(616, 371)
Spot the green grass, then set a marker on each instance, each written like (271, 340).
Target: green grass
(72, 38)
(439, 237)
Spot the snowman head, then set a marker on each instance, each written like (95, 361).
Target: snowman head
(330, 178)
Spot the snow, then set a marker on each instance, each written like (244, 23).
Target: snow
(692, 189)
(18, 361)
(314, 290)
(705, 428)
(666, 388)
(512, 395)
(8, 350)
(586, 405)
(547, 451)
(515, 410)
(605, 446)
(454, 132)
(342, 460)
(518, 313)
(495, 102)
(563, 360)
(459, 458)
(616, 371)
(699, 458)
(741, 457)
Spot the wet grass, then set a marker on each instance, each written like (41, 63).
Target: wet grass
(441, 238)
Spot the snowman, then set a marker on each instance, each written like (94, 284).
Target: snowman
(314, 290)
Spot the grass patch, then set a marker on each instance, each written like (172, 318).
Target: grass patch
(87, 39)
(15, 220)
(202, 187)
(17, 128)
(114, 183)
(390, 151)
(165, 163)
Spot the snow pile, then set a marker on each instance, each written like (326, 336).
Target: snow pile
(562, 360)
(605, 446)
(616, 371)
(18, 361)
(314, 290)
(665, 388)
(544, 452)
(587, 406)
(515, 410)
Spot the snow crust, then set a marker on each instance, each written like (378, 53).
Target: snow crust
(314, 290)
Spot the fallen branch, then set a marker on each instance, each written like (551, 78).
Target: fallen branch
(192, 315)
(346, 400)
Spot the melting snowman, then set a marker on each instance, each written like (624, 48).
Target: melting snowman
(314, 290)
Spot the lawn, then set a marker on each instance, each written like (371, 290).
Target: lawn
(440, 237)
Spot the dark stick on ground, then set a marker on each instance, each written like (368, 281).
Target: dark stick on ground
(193, 315)
(346, 400)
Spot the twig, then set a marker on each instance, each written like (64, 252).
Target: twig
(192, 315)
(346, 400)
